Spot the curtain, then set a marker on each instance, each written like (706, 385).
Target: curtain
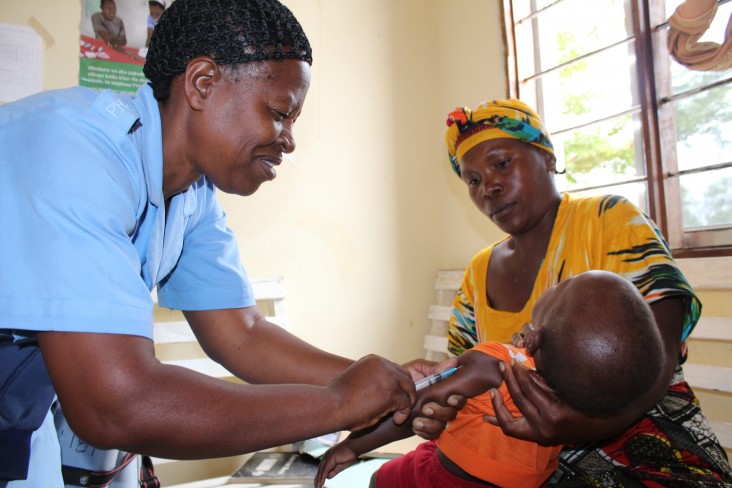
(688, 23)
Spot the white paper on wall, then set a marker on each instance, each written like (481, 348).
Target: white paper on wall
(20, 62)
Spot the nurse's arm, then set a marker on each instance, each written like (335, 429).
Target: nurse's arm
(116, 394)
(258, 351)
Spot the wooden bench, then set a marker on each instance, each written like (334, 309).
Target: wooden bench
(176, 344)
(709, 366)
(447, 283)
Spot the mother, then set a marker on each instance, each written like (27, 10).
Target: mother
(502, 151)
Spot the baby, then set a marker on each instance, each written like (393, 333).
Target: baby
(594, 341)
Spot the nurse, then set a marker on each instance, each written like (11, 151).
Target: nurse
(105, 197)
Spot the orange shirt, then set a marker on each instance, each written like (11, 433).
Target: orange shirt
(483, 450)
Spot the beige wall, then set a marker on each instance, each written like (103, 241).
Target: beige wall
(371, 210)
(360, 225)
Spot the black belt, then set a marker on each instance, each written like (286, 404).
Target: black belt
(17, 336)
(94, 479)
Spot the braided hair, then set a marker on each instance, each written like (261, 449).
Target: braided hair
(232, 32)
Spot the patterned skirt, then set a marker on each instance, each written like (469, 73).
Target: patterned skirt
(671, 446)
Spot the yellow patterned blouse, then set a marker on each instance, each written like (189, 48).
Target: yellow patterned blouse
(606, 232)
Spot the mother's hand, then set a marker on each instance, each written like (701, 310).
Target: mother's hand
(517, 339)
(434, 417)
(546, 420)
(545, 417)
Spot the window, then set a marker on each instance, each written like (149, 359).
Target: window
(624, 116)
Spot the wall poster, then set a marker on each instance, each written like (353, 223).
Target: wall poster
(113, 42)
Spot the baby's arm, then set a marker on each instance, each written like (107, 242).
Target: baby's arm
(478, 373)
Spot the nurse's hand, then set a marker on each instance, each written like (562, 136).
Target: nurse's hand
(434, 416)
(372, 388)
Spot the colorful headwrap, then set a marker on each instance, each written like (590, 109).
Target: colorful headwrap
(494, 119)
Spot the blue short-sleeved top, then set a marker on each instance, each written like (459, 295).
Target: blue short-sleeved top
(84, 236)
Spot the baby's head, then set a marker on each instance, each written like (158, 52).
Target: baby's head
(596, 342)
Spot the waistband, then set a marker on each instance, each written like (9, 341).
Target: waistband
(17, 336)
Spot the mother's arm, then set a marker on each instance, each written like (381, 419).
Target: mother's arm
(548, 420)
